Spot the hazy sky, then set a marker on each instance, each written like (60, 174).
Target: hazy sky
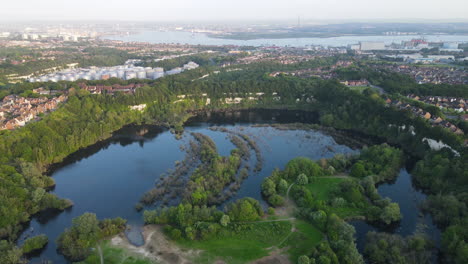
(202, 10)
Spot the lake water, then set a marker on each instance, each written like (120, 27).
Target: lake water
(159, 37)
(110, 177)
(403, 192)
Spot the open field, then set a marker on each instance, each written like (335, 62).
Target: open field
(302, 241)
(322, 188)
(359, 89)
(247, 243)
(112, 254)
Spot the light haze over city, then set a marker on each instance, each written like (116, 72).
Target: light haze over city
(204, 10)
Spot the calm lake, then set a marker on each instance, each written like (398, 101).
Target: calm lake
(181, 37)
(110, 177)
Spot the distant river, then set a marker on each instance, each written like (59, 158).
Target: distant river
(158, 37)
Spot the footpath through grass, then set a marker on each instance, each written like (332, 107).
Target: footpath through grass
(302, 240)
(240, 243)
(114, 255)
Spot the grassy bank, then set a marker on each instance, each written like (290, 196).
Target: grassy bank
(113, 254)
(242, 243)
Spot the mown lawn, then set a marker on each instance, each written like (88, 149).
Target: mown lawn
(243, 244)
(114, 255)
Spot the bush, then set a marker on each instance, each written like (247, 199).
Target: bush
(268, 187)
(139, 207)
(390, 213)
(358, 170)
(302, 179)
(34, 243)
(225, 220)
(271, 211)
(282, 186)
(276, 200)
(303, 260)
(245, 209)
(176, 234)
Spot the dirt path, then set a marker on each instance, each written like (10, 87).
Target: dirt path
(100, 253)
(157, 247)
(274, 220)
(338, 176)
(289, 188)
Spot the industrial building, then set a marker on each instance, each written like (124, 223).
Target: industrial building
(125, 72)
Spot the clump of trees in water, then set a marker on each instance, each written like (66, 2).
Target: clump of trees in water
(215, 172)
(86, 231)
(213, 181)
(251, 143)
(170, 186)
(35, 243)
(13, 255)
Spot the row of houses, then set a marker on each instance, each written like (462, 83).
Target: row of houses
(436, 75)
(326, 73)
(354, 83)
(111, 89)
(434, 120)
(16, 111)
(454, 103)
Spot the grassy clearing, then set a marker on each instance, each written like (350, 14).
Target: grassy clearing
(240, 243)
(302, 241)
(347, 212)
(321, 188)
(114, 255)
(359, 89)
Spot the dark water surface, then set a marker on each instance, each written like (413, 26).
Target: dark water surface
(409, 198)
(110, 177)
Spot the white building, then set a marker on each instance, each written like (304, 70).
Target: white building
(191, 65)
(450, 45)
(372, 45)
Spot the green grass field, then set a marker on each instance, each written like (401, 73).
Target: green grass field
(251, 241)
(322, 187)
(256, 242)
(359, 89)
(114, 255)
(302, 241)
